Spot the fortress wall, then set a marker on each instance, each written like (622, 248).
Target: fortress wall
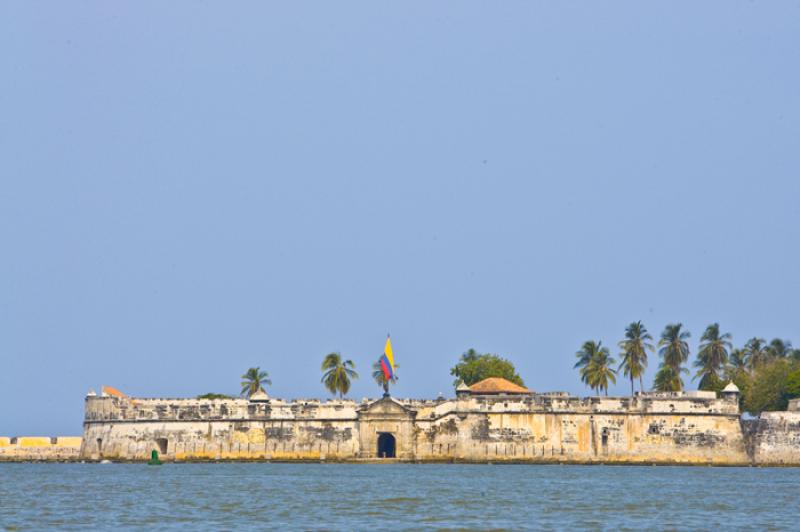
(607, 438)
(222, 440)
(229, 429)
(26, 448)
(667, 428)
(130, 409)
(775, 439)
(672, 429)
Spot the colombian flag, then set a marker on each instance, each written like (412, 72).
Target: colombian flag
(387, 360)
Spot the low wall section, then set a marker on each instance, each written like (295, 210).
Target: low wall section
(20, 449)
(774, 438)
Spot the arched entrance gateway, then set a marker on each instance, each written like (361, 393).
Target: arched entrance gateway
(385, 430)
(386, 445)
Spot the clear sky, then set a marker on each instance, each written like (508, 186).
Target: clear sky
(188, 189)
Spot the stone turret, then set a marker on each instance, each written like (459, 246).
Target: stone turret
(730, 392)
(462, 389)
(259, 396)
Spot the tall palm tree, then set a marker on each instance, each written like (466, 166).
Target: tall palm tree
(780, 348)
(674, 351)
(668, 379)
(254, 380)
(380, 378)
(337, 374)
(584, 356)
(738, 359)
(755, 353)
(712, 356)
(600, 371)
(595, 362)
(634, 352)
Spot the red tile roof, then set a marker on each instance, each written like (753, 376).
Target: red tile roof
(108, 390)
(497, 385)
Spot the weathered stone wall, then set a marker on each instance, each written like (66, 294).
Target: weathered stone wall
(696, 428)
(185, 429)
(668, 429)
(23, 449)
(774, 438)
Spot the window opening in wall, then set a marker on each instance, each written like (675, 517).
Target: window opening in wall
(100, 445)
(162, 445)
(604, 436)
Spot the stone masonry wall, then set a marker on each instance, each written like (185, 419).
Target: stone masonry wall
(669, 428)
(24, 449)
(187, 429)
(775, 439)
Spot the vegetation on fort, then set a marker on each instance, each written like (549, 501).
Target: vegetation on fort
(473, 367)
(214, 396)
(337, 374)
(254, 380)
(767, 374)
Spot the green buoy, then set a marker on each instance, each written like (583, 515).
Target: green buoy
(154, 458)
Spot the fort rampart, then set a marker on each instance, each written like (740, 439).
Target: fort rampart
(675, 428)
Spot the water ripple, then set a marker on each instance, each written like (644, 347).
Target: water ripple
(397, 496)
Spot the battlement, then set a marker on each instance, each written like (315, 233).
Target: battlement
(131, 409)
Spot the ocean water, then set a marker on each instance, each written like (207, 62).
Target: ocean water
(262, 496)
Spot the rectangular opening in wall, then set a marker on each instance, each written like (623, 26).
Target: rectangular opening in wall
(162, 445)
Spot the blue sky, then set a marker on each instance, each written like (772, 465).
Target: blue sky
(189, 189)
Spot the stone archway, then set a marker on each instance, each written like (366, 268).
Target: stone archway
(387, 445)
(386, 428)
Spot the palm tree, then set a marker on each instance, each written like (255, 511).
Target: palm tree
(254, 380)
(674, 351)
(712, 356)
(738, 359)
(594, 362)
(337, 374)
(755, 353)
(600, 371)
(634, 352)
(668, 379)
(584, 356)
(380, 378)
(780, 348)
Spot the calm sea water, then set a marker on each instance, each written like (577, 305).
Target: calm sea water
(397, 496)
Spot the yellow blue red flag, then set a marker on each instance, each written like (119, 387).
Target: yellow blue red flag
(387, 360)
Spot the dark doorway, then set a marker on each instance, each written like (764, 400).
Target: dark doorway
(162, 445)
(386, 445)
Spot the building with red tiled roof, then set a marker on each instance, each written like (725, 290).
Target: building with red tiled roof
(497, 385)
(113, 392)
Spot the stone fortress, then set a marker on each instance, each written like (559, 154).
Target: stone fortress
(491, 421)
